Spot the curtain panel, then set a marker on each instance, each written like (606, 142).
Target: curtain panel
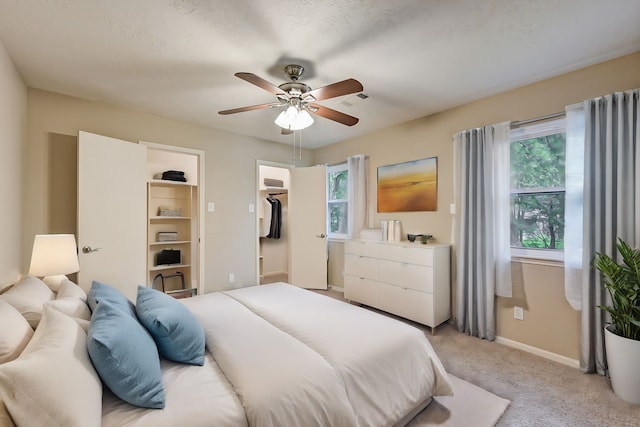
(481, 226)
(603, 204)
(357, 212)
(611, 207)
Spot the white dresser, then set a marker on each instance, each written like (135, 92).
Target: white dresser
(410, 280)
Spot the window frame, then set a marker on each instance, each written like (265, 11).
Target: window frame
(529, 131)
(338, 167)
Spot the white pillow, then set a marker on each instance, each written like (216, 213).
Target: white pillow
(53, 381)
(71, 300)
(54, 282)
(28, 296)
(16, 333)
(70, 289)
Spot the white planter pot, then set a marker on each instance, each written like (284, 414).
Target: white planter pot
(623, 355)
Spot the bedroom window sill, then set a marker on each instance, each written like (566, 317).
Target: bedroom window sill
(551, 258)
(335, 239)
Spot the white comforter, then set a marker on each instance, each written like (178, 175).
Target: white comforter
(283, 356)
(388, 368)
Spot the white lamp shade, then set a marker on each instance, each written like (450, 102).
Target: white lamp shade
(54, 254)
(293, 119)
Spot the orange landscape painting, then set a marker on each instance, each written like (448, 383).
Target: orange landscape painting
(407, 187)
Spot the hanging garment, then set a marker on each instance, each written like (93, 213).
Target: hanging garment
(266, 209)
(276, 218)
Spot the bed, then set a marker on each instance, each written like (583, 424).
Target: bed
(278, 355)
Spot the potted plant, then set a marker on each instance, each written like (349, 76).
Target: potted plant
(622, 336)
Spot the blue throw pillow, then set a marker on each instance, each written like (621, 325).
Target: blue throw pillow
(125, 356)
(100, 292)
(177, 333)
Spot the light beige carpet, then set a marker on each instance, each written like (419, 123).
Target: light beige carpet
(469, 406)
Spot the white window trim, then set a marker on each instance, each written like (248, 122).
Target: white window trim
(331, 169)
(553, 257)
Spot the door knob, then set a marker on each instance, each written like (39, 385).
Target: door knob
(89, 249)
(321, 236)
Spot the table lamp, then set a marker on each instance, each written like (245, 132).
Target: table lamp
(54, 256)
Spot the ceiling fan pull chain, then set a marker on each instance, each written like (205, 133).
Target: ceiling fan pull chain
(293, 159)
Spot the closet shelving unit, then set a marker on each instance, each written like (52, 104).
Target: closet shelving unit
(173, 195)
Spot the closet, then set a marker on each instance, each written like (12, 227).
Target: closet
(118, 213)
(172, 222)
(273, 223)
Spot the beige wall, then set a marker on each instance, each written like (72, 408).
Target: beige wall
(230, 181)
(550, 324)
(13, 119)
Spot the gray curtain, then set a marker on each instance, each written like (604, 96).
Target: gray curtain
(357, 215)
(611, 205)
(481, 226)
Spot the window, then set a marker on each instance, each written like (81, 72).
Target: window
(537, 190)
(337, 201)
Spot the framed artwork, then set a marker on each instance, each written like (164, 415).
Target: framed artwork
(409, 186)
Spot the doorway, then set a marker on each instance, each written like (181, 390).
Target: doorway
(272, 222)
(298, 254)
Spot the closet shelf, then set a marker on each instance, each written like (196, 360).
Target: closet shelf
(169, 243)
(274, 190)
(168, 267)
(164, 218)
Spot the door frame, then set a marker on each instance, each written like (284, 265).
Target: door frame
(200, 223)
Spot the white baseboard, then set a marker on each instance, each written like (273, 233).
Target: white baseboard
(539, 352)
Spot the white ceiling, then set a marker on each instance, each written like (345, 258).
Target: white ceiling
(177, 58)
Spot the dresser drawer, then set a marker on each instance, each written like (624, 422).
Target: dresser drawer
(405, 275)
(410, 254)
(361, 290)
(408, 303)
(361, 266)
(359, 247)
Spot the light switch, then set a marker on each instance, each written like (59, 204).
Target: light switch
(252, 208)
(211, 207)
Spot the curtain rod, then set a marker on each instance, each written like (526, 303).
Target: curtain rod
(537, 119)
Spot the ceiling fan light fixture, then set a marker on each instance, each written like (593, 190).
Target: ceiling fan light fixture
(294, 119)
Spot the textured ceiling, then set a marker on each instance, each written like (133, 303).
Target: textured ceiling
(414, 57)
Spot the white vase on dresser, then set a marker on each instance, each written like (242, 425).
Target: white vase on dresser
(410, 280)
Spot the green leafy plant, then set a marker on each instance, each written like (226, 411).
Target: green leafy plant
(623, 283)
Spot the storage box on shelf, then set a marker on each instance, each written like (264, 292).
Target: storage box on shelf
(410, 280)
(171, 226)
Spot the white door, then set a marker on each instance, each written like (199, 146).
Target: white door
(307, 226)
(112, 212)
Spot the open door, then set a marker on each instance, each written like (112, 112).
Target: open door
(112, 207)
(308, 223)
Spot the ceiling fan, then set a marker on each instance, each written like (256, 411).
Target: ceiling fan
(300, 99)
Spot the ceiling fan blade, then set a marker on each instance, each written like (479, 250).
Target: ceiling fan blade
(261, 83)
(334, 115)
(344, 87)
(250, 108)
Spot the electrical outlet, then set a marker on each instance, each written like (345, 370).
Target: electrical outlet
(232, 278)
(518, 313)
